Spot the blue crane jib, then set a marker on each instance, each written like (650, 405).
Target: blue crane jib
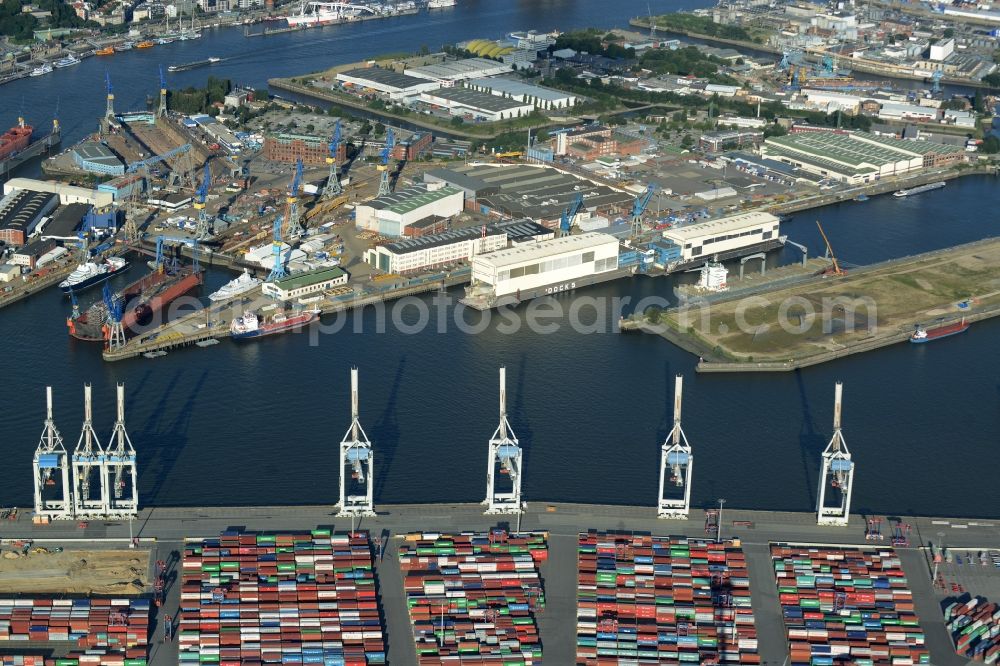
(135, 166)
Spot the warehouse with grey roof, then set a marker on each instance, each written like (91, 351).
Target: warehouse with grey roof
(393, 84)
(482, 105)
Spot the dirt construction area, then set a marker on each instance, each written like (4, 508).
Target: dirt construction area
(44, 570)
(834, 313)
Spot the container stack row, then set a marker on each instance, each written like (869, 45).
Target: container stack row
(847, 605)
(975, 628)
(291, 598)
(104, 631)
(473, 597)
(651, 600)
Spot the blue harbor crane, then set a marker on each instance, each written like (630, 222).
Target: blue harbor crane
(566, 221)
(639, 207)
(109, 113)
(278, 270)
(115, 305)
(190, 242)
(150, 161)
(204, 228)
(383, 167)
(162, 111)
(292, 204)
(333, 187)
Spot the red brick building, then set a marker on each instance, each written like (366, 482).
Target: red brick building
(312, 150)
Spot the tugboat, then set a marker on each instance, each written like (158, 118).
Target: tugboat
(929, 334)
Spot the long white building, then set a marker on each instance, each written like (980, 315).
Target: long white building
(725, 235)
(451, 247)
(551, 266)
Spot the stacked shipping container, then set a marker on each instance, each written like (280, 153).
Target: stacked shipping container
(105, 631)
(651, 600)
(975, 627)
(847, 605)
(472, 597)
(301, 598)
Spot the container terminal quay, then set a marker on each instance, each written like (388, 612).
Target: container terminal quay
(353, 581)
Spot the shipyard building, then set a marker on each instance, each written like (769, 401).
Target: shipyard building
(67, 193)
(20, 212)
(858, 157)
(96, 157)
(550, 266)
(392, 214)
(727, 237)
(450, 247)
(531, 191)
(306, 283)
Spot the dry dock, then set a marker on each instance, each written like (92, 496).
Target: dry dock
(165, 528)
(780, 327)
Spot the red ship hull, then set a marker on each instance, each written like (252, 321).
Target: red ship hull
(14, 140)
(942, 332)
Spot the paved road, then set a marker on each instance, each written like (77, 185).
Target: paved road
(165, 529)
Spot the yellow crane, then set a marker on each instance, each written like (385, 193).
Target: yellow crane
(836, 269)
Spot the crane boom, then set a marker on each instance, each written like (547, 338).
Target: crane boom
(836, 266)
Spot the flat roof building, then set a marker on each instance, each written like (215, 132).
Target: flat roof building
(723, 236)
(463, 101)
(447, 73)
(312, 150)
(170, 200)
(529, 191)
(66, 221)
(393, 84)
(20, 213)
(303, 284)
(452, 246)
(858, 157)
(539, 97)
(98, 158)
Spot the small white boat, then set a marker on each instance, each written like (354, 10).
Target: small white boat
(68, 61)
(40, 71)
(155, 354)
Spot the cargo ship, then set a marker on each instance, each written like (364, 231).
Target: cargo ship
(252, 326)
(918, 190)
(89, 274)
(143, 298)
(192, 65)
(15, 139)
(930, 334)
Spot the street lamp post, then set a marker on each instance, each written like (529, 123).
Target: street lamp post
(718, 527)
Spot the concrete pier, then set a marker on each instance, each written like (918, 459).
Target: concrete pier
(165, 529)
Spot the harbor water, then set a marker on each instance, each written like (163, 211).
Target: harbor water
(259, 422)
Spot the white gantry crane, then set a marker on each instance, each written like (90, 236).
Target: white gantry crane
(120, 469)
(506, 455)
(677, 459)
(837, 472)
(356, 463)
(88, 468)
(53, 497)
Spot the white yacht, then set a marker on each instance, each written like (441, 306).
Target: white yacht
(244, 283)
(88, 274)
(44, 69)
